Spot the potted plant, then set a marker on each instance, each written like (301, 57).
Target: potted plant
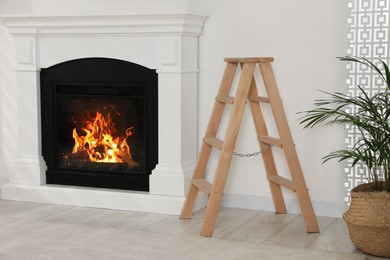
(368, 217)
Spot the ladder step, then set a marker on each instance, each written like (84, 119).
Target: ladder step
(250, 60)
(225, 99)
(282, 181)
(259, 99)
(270, 140)
(202, 185)
(214, 142)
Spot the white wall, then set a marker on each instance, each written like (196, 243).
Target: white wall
(304, 36)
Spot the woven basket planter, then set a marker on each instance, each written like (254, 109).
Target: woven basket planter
(368, 220)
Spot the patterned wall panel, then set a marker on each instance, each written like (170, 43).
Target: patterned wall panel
(368, 36)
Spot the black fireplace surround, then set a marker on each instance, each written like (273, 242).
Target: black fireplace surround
(99, 123)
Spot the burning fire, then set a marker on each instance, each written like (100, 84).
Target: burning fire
(99, 143)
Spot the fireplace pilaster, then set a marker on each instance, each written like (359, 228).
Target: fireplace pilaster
(28, 167)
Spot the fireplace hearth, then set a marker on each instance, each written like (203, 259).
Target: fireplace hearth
(99, 123)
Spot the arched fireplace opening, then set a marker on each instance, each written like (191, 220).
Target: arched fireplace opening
(99, 123)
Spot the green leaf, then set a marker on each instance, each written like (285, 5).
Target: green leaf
(368, 114)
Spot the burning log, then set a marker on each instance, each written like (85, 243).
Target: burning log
(126, 158)
(100, 144)
(79, 156)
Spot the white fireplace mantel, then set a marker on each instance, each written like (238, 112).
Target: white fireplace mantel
(165, 42)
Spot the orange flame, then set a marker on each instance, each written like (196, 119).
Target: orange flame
(99, 143)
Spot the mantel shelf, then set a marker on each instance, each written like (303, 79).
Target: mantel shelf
(138, 24)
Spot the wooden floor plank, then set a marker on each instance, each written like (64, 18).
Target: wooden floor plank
(274, 217)
(10, 208)
(141, 220)
(174, 225)
(106, 218)
(334, 238)
(72, 215)
(40, 211)
(227, 220)
(260, 227)
(294, 234)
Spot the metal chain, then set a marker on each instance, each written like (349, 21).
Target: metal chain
(252, 154)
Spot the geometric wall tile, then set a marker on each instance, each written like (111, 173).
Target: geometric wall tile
(368, 36)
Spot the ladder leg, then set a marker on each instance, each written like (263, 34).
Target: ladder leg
(307, 208)
(267, 154)
(211, 131)
(193, 191)
(227, 150)
(289, 148)
(214, 200)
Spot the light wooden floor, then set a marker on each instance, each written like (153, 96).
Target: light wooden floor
(259, 227)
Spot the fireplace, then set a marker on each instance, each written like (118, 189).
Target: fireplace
(99, 123)
(166, 44)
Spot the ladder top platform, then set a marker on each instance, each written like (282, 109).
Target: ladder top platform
(250, 60)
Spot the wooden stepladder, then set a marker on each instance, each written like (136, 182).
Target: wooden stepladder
(247, 90)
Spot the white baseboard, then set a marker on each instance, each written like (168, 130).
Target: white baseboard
(321, 208)
(97, 198)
